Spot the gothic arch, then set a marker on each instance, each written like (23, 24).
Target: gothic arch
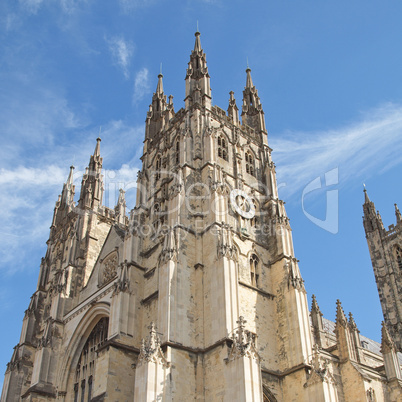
(254, 263)
(77, 342)
(222, 143)
(250, 161)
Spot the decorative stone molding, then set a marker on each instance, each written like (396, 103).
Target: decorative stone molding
(169, 250)
(319, 369)
(243, 343)
(48, 333)
(150, 350)
(178, 185)
(109, 270)
(225, 243)
(294, 278)
(123, 283)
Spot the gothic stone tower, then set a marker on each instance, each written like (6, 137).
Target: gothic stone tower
(385, 248)
(198, 295)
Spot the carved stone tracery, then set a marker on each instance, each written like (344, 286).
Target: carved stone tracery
(150, 350)
(243, 343)
(109, 268)
(319, 369)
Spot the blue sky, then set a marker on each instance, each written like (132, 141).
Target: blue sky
(329, 78)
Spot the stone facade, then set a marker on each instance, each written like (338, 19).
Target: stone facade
(196, 296)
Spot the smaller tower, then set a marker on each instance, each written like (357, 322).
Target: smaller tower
(385, 248)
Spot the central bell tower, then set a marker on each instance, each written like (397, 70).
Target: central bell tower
(222, 283)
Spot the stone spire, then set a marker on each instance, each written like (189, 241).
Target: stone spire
(397, 214)
(198, 89)
(92, 181)
(252, 113)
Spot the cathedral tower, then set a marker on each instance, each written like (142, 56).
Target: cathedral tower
(198, 294)
(385, 246)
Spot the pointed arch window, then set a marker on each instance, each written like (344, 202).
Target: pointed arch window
(398, 252)
(222, 148)
(85, 370)
(177, 151)
(158, 168)
(254, 270)
(250, 168)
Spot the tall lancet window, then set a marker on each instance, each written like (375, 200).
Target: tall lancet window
(177, 151)
(222, 148)
(250, 169)
(85, 370)
(158, 168)
(398, 252)
(254, 275)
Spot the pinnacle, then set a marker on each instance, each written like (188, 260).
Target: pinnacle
(159, 87)
(97, 147)
(249, 81)
(197, 45)
(314, 304)
(70, 179)
(366, 197)
(340, 315)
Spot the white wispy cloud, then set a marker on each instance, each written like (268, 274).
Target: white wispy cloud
(31, 6)
(369, 145)
(141, 85)
(130, 5)
(122, 52)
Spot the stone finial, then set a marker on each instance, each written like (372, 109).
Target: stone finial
(249, 80)
(150, 350)
(197, 44)
(243, 342)
(97, 147)
(159, 87)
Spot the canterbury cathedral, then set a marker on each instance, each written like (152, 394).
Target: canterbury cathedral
(195, 293)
